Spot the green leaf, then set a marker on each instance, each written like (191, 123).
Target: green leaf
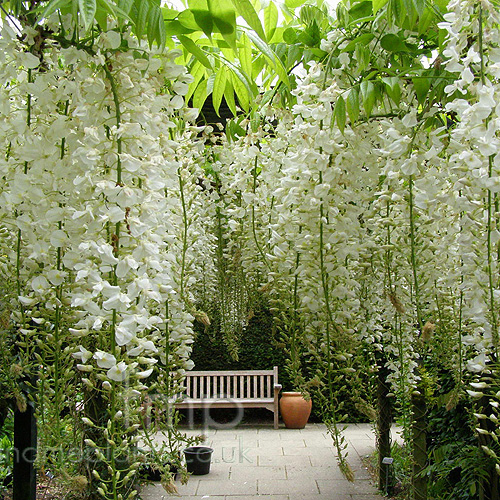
(155, 26)
(392, 43)
(245, 55)
(219, 87)
(271, 56)
(352, 105)
(170, 13)
(378, 4)
(174, 28)
(205, 21)
(270, 19)
(393, 88)
(200, 95)
(197, 72)
(194, 49)
(202, 16)
(224, 18)
(363, 39)
(242, 91)
(247, 12)
(229, 96)
(398, 11)
(368, 95)
(125, 5)
(421, 84)
(311, 35)
(293, 4)
(290, 36)
(340, 113)
(360, 10)
(187, 19)
(53, 6)
(87, 10)
(141, 18)
(419, 6)
(425, 21)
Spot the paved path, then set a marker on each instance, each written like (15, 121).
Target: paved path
(286, 464)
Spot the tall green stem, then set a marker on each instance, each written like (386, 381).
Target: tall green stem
(254, 227)
(116, 246)
(185, 229)
(414, 256)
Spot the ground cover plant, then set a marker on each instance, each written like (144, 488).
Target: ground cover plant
(355, 193)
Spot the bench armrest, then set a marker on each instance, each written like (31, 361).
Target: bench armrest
(277, 387)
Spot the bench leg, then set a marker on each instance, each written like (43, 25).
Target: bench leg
(276, 417)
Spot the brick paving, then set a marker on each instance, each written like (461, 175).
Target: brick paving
(286, 464)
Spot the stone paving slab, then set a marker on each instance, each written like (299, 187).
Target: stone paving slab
(285, 464)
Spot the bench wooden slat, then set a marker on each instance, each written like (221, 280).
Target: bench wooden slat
(226, 389)
(228, 372)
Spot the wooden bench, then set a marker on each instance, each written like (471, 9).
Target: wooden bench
(230, 389)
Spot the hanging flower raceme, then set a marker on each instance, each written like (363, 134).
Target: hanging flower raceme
(94, 146)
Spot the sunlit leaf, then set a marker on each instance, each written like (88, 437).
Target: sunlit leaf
(378, 4)
(270, 19)
(200, 95)
(275, 61)
(290, 36)
(245, 55)
(187, 19)
(197, 72)
(368, 95)
(229, 96)
(247, 12)
(219, 87)
(194, 49)
(242, 91)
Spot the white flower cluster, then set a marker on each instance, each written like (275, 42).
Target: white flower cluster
(92, 158)
(389, 231)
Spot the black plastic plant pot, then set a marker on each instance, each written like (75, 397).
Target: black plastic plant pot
(198, 459)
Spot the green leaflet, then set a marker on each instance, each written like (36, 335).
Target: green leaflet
(421, 84)
(53, 6)
(194, 49)
(242, 91)
(125, 5)
(340, 113)
(219, 87)
(87, 10)
(271, 56)
(368, 95)
(245, 55)
(352, 105)
(270, 19)
(247, 12)
(378, 4)
(200, 95)
(392, 43)
(197, 72)
(229, 96)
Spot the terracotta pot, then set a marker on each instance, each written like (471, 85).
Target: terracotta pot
(295, 410)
